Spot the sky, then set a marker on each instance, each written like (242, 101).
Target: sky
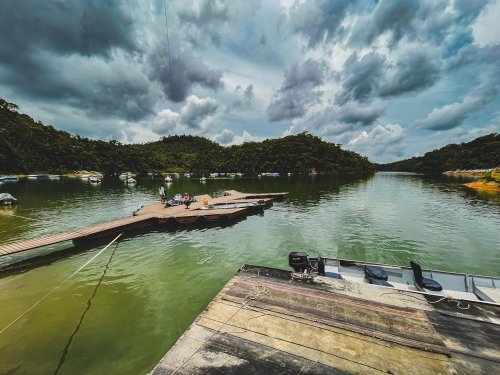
(387, 79)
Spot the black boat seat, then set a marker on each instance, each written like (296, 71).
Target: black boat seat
(375, 273)
(333, 275)
(379, 282)
(424, 282)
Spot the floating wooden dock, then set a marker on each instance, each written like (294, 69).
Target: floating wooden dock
(265, 322)
(153, 214)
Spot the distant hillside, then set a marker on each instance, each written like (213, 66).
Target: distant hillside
(482, 152)
(28, 146)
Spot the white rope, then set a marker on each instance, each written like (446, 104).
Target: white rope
(61, 284)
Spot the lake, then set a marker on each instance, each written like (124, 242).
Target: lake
(123, 312)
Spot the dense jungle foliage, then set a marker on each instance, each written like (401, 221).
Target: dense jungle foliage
(481, 153)
(28, 146)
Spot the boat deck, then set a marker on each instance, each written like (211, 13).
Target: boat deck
(264, 322)
(147, 215)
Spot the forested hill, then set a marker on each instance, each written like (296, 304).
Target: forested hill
(28, 146)
(482, 152)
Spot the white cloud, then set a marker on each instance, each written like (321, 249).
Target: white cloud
(451, 115)
(382, 142)
(486, 28)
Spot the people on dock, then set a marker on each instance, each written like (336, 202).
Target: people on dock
(187, 200)
(162, 194)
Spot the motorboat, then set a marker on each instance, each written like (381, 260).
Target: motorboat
(203, 179)
(95, 180)
(289, 174)
(214, 175)
(32, 177)
(126, 175)
(7, 200)
(187, 175)
(130, 181)
(414, 279)
(54, 177)
(168, 179)
(9, 179)
(232, 175)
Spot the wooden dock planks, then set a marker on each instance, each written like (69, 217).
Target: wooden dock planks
(148, 215)
(263, 322)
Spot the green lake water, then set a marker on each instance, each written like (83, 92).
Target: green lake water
(124, 311)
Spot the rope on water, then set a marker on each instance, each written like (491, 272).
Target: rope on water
(65, 351)
(61, 284)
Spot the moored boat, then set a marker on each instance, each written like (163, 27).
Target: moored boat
(95, 180)
(7, 200)
(9, 179)
(130, 181)
(168, 179)
(458, 286)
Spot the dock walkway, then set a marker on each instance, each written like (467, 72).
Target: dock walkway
(148, 215)
(263, 322)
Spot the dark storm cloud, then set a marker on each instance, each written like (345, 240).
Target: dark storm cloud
(244, 97)
(362, 115)
(389, 16)
(62, 52)
(83, 27)
(415, 71)
(360, 77)
(196, 110)
(206, 19)
(476, 55)
(319, 20)
(297, 91)
(187, 70)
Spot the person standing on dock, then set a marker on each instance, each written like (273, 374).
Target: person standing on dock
(162, 194)
(187, 200)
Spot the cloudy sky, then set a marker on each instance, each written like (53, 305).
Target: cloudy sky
(388, 79)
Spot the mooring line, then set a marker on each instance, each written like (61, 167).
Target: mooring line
(89, 304)
(58, 286)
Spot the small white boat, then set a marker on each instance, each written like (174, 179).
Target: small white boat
(168, 179)
(214, 175)
(7, 200)
(126, 175)
(9, 179)
(130, 181)
(95, 180)
(239, 174)
(187, 175)
(32, 177)
(203, 179)
(289, 174)
(54, 177)
(232, 175)
(458, 286)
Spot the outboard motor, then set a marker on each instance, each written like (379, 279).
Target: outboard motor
(298, 261)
